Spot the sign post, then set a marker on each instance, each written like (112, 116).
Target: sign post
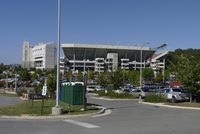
(44, 92)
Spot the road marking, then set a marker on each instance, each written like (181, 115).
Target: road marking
(107, 112)
(83, 124)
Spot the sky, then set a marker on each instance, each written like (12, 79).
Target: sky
(117, 22)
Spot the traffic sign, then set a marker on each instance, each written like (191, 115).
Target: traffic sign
(44, 90)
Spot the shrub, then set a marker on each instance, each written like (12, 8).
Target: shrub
(155, 98)
(20, 91)
(112, 94)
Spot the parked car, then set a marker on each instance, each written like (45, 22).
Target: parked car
(90, 88)
(138, 93)
(98, 88)
(174, 95)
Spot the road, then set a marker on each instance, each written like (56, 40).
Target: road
(127, 117)
(7, 101)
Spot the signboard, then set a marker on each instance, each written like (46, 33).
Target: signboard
(44, 90)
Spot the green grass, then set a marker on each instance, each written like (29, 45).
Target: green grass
(155, 98)
(8, 95)
(26, 108)
(112, 94)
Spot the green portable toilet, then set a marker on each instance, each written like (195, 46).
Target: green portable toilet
(72, 94)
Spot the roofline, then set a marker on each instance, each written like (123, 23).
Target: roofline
(161, 55)
(99, 46)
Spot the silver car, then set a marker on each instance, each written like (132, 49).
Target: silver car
(138, 93)
(174, 95)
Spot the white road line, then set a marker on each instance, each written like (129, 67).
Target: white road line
(83, 124)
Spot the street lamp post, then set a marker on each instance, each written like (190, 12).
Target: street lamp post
(57, 110)
(58, 59)
(141, 68)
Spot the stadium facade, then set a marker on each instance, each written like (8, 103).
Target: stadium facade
(100, 58)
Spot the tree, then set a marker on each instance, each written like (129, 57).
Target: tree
(2, 68)
(24, 75)
(91, 75)
(51, 85)
(104, 79)
(34, 76)
(39, 72)
(159, 78)
(133, 77)
(80, 76)
(116, 79)
(188, 73)
(147, 74)
(38, 89)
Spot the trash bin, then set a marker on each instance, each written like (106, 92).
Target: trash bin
(72, 94)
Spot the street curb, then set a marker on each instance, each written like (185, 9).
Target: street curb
(169, 106)
(28, 117)
(109, 99)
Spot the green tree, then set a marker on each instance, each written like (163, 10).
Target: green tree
(38, 89)
(80, 76)
(39, 72)
(147, 74)
(91, 75)
(116, 79)
(159, 78)
(24, 75)
(187, 72)
(34, 76)
(2, 68)
(104, 79)
(133, 77)
(51, 85)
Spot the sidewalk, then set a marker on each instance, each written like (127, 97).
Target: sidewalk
(169, 106)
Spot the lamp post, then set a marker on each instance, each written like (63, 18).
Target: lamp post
(57, 110)
(58, 59)
(141, 58)
(141, 67)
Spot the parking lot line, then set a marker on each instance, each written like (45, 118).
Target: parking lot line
(83, 124)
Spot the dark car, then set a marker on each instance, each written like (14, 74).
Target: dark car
(35, 96)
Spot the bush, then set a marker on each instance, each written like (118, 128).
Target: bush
(112, 94)
(20, 91)
(155, 98)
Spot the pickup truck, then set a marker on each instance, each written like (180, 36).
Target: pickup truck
(174, 95)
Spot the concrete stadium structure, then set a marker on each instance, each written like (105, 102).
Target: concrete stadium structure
(100, 58)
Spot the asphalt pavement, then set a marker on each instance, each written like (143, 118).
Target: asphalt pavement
(127, 117)
(7, 101)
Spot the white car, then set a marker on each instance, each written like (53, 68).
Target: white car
(90, 89)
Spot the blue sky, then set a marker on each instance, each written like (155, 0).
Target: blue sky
(118, 22)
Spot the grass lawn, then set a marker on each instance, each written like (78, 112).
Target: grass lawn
(26, 108)
(8, 95)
